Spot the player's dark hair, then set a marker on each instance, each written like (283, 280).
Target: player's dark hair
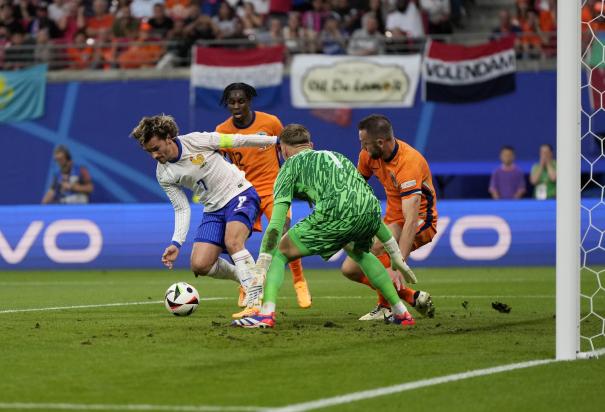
(295, 134)
(162, 126)
(507, 147)
(248, 90)
(376, 126)
(63, 149)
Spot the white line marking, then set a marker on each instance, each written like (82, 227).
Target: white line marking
(151, 302)
(101, 305)
(109, 407)
(389, 390)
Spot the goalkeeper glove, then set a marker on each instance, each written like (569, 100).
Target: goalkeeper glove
(397, 262)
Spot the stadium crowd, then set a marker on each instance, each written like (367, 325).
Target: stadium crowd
(98, 34)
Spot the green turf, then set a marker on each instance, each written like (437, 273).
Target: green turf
(143, 355)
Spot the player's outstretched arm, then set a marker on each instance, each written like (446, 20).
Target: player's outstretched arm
(217, 141)
(392, 248)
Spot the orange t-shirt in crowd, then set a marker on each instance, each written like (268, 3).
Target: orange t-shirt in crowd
(102, 22)
(406, 173)
(261, 165)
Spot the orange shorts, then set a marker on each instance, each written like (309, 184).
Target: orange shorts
(266, 208)
(421, 239)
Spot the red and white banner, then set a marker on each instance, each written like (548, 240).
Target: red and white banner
(458, 74)
(213, 69)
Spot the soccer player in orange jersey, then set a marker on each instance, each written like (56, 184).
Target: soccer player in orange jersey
(411, 213)
(261, 167)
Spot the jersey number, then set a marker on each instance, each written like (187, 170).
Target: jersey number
(242, 200)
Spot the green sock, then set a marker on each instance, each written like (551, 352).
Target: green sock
(377, 274)
(275, 278)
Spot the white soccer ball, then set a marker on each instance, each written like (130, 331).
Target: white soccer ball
(181, 299)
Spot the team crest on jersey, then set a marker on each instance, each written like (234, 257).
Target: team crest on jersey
(393, 179)
(198, 160)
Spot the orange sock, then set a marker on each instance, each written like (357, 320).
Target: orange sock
(297, 270)
(385, 260)
(381, 300)
(407, 294)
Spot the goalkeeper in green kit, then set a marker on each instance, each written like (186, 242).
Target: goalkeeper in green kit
(346, 215)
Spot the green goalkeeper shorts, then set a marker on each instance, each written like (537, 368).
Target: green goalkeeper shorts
(317, 235)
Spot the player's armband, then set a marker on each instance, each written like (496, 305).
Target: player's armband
(225, 141)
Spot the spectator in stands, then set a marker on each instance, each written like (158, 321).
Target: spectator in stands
(203, 28)
(101, 20)
(506, 26)
(179, 47)
(405, 21)
(25, 10)
(71, 184)
(350, 15)
(297, 38)
(367, 40)
(544, 174)
(57, 10)
(43, 52)
(332, 39)
(275, 34)
(80, 54)
(313, 19)
(438, 12)
(252, 21)
(42, 21)
(532, 38)
(19, 53)
(280, 8)
(225, 20)
(143, 53)
(160, 23)
(73, 21)
(9, 20)
(126, 26)
(143, 9)
(376, 10)
(177, 9)
(507, 181)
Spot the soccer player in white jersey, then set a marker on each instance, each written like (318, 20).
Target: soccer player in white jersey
(231, 204)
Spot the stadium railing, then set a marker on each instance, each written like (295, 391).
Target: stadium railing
(129, 55)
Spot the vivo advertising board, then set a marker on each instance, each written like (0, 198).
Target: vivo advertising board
(470, 233)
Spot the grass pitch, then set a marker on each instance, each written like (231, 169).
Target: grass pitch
(140, 354)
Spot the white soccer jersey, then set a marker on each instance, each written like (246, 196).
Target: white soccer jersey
(201, 168)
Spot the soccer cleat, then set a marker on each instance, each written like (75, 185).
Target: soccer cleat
(241, 300)
(424, 304)
(404, 320)
(246, 312)
(378, 313)
(256, 321)
(303, 297)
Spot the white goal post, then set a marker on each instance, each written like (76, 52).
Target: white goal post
(568, 180)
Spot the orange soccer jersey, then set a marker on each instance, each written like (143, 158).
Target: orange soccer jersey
(405, 174)
(261, 165)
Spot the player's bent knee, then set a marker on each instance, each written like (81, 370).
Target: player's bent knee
(201, 266)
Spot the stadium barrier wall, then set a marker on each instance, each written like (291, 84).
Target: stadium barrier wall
(471, 233)
(456, 139)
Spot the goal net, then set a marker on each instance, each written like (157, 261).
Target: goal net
(592, 164)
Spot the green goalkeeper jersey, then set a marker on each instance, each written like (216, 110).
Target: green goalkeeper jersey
(329, 181)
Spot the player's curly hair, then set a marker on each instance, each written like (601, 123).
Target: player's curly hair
(162, 126)
(248, 90)
(376, 126)
(295, 134)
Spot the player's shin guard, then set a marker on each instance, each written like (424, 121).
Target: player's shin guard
(273, 282)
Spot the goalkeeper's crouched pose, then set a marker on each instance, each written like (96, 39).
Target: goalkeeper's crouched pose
(346, 215)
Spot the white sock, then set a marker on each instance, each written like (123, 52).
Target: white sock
(223, 270)
(244, 262)
(399, 309)
(267, 308)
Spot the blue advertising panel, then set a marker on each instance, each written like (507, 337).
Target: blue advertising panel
(470, 233)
